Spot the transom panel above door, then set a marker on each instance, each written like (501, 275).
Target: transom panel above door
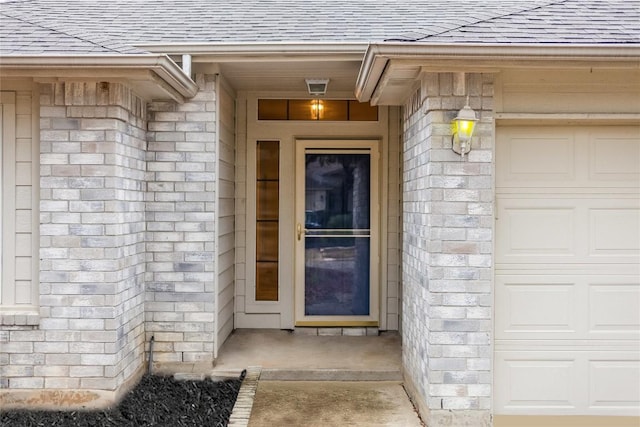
(336, 250)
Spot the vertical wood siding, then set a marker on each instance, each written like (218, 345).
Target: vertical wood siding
(226, 213)
(393, 222)
(19, 277)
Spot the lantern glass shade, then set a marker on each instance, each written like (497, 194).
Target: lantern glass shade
(462, 129)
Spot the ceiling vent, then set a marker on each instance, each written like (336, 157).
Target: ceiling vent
(317, 87)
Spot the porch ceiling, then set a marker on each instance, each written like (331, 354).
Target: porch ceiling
(290, 76)
(275, 67)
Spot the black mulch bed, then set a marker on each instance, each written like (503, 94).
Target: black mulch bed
(155, 401)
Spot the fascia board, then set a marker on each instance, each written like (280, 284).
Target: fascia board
(379, 56)
(113, 66)
(371, 71)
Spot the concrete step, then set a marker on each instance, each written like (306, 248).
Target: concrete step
(329, 375)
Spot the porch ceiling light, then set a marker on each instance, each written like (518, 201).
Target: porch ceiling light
(462, 128)
(317, 109)
(317, 87)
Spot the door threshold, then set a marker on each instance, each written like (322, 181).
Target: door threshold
(336, 323)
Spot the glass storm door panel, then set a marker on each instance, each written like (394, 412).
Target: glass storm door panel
(337, 234)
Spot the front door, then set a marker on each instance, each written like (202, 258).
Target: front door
(336, 233)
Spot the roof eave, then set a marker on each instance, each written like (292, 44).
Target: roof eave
(161, 76)
(375, 70)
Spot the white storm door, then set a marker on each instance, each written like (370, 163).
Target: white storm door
(337, 233)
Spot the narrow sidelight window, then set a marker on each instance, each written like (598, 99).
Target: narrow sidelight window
(267, 227)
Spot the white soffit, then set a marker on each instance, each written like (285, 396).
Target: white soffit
(279, 76)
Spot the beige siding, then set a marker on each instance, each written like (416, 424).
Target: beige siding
(19, 218)
(568, 91)
(226, 213)
(240, 209)
(393, 222)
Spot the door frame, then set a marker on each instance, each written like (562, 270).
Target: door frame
(373, 319)
(249, 313)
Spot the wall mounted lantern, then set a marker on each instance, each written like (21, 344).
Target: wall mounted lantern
(462, 128)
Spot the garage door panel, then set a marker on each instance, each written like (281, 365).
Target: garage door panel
(614, 384)
(546, 158)
(540, 381)
(614, 309)
(568, 157)
(567, 382)
(587, 230)
(614, 157)
(567, 307)
(614, 231)
(536, 306)
(534, 230)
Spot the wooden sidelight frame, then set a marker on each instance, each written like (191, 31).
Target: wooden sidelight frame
(267, 220)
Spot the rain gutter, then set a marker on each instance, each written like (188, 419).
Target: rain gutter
(268, 51)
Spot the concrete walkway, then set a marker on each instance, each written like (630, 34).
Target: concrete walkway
(332, 403)
(300, 380)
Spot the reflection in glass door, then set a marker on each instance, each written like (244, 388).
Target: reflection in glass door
(337, 234)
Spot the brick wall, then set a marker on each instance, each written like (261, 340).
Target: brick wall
(90, 332)
(180, 292)
(447, 252)
(127, 238)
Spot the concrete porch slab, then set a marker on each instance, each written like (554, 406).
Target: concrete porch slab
(289, 356)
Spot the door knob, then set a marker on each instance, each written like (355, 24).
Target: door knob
(299, 230)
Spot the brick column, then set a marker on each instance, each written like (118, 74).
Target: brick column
(92, 235)
(180, 227)
(447, 252)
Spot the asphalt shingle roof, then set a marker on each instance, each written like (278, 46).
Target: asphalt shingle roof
(18, 36)
(115, 26)
(571, 21)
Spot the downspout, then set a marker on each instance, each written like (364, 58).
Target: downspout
(186, 64)
(216, 240)
(150, 367)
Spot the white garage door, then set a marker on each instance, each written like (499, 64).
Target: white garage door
(567, 322)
